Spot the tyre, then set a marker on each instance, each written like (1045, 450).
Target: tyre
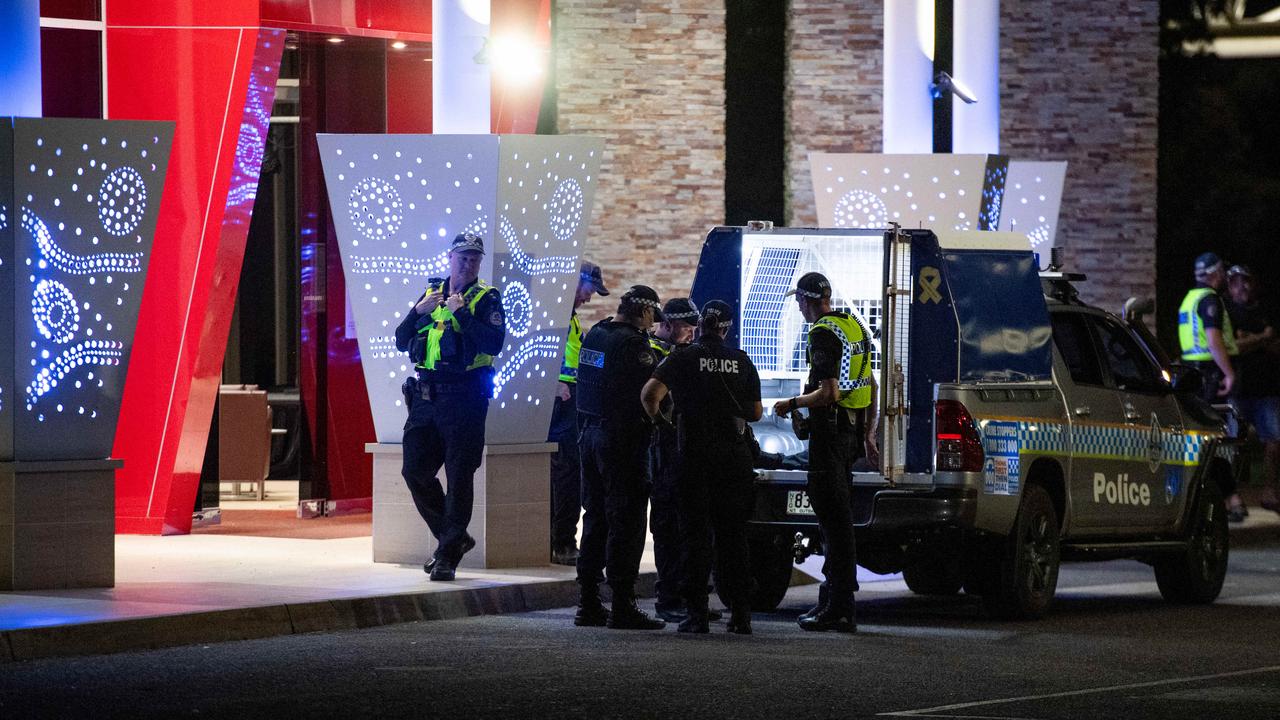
(1196, 575)
(1028, 561)
(771, 564)
(934, 576)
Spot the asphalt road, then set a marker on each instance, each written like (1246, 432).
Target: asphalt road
(1111, 648)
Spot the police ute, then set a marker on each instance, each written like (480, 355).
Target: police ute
(1019, 427)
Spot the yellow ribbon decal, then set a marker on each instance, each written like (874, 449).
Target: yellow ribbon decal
(930, 281)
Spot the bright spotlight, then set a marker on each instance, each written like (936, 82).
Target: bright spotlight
(399, 45)
(515, 59)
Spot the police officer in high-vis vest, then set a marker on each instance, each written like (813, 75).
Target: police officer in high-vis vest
(566, 473)
(717, 392)
(841, 398)
(679, 319)
(452, 334)
(613, 365)
(1204, 329)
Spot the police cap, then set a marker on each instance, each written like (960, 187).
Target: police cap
(467, 242)
(594, 276)
(720, 310)
(811, 285)
(680, 310)
(642, 296)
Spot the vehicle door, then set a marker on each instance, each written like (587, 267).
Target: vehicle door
(1094, 418)
(1153, 489)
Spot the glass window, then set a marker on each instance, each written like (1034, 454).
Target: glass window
(71, 72)
(1130, 367)
(71, 9)
(1075, 344)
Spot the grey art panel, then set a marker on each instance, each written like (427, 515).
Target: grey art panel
(1033, 199)
(857, 190)
(397, 202)
(87, 196)
(546, 185)
(7, 268)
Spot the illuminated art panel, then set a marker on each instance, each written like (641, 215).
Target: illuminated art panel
(1032, 201)
(79, 220)
(872, 190)
(546, 185)
(398, 201)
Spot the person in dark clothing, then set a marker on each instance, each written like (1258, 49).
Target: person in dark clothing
(841, 397)
(717, 392)
(566, 470)
(614, 364)
(1257, 389)
(680, 317)
(452, 334)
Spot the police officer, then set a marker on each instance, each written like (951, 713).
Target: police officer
(1204, 329)
(614, 364)
(717, 392)
(680, 317)
(566, 492)
(452, 334)
(841, 397)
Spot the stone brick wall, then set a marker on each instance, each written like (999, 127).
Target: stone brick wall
(648, 76)
(1079, 83)
(835, 79)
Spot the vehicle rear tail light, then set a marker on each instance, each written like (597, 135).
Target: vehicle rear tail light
(959, 447)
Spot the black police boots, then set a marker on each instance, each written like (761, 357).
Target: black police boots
(468, 544)
(626, 616)
(591, 612)
(824, 596)
(697, 619)
(739, 618)
(838, 615)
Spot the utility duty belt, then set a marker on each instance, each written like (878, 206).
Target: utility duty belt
(429, 390)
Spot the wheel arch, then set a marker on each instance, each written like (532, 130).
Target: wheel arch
(1048, 474)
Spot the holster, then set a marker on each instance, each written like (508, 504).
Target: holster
(409, 388)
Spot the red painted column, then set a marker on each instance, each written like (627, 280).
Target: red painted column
(194, 63)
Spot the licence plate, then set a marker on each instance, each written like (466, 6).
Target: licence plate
(798, 503)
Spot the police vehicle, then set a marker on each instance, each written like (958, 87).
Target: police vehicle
(1019, 426)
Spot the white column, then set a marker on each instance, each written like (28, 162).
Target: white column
(20, 58)
(908, 70)
(459, 84)
(976, 128)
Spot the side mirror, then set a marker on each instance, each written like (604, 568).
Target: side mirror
(1186, 379)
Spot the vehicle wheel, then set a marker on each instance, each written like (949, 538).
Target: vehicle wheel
(934, 576)
(771, 564)
(1028, 561)
(1196, 575)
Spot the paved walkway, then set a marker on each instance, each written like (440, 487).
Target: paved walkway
(210, 588)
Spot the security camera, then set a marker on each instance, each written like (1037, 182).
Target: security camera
(944, 83)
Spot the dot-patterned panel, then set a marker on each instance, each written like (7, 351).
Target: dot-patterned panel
(86, 195)
(398, 201)
(873, 190)
(545, 188)
(1032, 198)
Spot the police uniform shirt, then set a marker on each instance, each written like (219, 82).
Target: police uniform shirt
(712, 384)
(825, 351)
(484, 331)
(1210, 310)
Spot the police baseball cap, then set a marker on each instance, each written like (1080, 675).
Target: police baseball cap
(680, 310)
(592, 275)
(720, 310)
(643, 296)
(467, 241)
(1207, 263)
(811, 285)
